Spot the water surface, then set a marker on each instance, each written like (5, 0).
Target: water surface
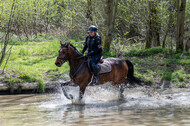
(102, 107)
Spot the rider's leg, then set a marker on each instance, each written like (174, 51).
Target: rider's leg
(95, 59)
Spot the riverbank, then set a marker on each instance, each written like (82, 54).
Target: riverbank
(31, 64)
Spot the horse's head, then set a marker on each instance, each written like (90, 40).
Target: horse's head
(63, 54)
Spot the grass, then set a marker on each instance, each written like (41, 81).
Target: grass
(146, 52)
(161, 66)
(34, 62)
(156, 64)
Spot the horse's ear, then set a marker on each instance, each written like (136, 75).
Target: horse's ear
(68, 44)
(61, 43)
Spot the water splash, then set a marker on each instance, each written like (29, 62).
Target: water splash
(134, 98)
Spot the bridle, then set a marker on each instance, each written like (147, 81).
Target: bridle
(64, 58)
(67, 57)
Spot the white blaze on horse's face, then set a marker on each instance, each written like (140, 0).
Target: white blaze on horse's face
(62, 56)
(60, 50)
(63, 52)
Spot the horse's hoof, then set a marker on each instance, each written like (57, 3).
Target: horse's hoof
(91, 84)
(78, 102)
(121, 98)
(71, 97)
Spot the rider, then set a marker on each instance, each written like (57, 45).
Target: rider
(93, 43)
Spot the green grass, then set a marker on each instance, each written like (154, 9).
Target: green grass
(146, 52)
(34, 61)
(163, 66)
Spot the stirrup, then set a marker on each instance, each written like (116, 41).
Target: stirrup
(91, 81)
(96, 80)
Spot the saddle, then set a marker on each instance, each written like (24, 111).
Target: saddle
(103, 66)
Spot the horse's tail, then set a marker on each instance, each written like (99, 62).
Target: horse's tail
(130, 76)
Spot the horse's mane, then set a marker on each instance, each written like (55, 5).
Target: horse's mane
(76, 50)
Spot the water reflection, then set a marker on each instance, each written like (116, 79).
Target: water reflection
(169, 107)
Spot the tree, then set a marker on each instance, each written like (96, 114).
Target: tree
(153, 26)
(111, 10)
(7, 34)
(169, 22)
(180, 5)
(89, 15)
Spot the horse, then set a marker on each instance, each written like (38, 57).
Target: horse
(80, 74)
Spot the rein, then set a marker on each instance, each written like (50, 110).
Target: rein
(68, 56)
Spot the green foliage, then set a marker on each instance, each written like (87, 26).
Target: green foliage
(34, 61)
(167, 76)
(11, 81)
(41, 88)
(109, 54)
(177, 56)
(26, 78)
(146, 52)
(23, 52)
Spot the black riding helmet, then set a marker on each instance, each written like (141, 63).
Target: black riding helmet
(92, 28)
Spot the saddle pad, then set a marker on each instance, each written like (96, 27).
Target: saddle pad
(105, 67)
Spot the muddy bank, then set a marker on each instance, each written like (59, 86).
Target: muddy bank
(53, 86)
(34, 87)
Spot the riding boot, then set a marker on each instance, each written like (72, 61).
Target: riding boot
(95, 71)
(96, 79)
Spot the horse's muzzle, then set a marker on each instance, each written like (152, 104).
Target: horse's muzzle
(58, 64)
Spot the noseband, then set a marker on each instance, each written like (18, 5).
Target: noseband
(63, 58)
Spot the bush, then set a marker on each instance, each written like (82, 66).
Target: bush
(109, 54)
(41, 88)
(26, 78)
(167, 76)
(23, 52)
(146, 52)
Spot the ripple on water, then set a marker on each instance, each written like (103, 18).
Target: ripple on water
(102, 107)
(134, 98)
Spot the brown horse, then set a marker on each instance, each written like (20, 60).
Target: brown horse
(80, 74)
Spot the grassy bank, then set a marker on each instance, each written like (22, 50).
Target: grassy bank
(158, 65)
(34, 62)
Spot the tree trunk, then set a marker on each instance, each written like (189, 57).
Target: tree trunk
(169, 24)
(3, 51)
(153, 29)
(180, 24)
(111, 10)
(89, 15)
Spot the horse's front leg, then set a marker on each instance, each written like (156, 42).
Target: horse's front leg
(67, 83)
(81, 93)
(70, 97)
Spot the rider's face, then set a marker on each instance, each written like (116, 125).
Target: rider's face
(92, 33)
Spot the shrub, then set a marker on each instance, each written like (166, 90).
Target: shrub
(146, 52)
(167, 76)
(109, 54)
(41, 88)
(23, 52)
(26, 78)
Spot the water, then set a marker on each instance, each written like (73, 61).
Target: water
(102, 107)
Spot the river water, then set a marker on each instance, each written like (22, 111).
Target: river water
(102, 107)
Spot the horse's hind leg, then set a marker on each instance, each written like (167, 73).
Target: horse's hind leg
(121, 90)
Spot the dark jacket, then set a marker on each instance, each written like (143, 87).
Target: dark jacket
(93, 44)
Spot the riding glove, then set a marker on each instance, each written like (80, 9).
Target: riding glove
(88, 54)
